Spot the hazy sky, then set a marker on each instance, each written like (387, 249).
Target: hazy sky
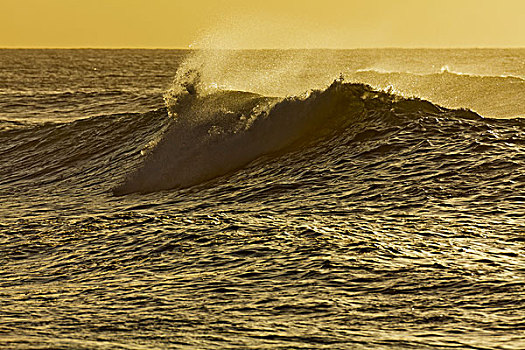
(262, 24)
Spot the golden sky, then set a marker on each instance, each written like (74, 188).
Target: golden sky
(262, 24)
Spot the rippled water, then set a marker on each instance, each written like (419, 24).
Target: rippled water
(345, 217)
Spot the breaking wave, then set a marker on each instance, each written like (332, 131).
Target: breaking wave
(216, 132)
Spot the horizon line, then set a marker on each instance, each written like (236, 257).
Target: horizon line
(256, 49)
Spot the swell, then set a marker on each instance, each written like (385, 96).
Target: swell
(79, 153)
(71, 105)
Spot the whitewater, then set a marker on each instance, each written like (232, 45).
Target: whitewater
(252, 199)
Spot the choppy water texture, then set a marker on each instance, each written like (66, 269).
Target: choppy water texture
(259, 200)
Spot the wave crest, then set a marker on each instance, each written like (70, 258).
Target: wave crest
(215, 133)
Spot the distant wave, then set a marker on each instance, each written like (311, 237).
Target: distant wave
(443, 70)
(493, 96)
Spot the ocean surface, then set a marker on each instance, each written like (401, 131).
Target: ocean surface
(263, 199)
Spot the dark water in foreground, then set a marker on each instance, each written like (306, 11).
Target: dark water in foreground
(341, 218)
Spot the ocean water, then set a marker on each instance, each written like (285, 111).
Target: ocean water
(264, 199)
